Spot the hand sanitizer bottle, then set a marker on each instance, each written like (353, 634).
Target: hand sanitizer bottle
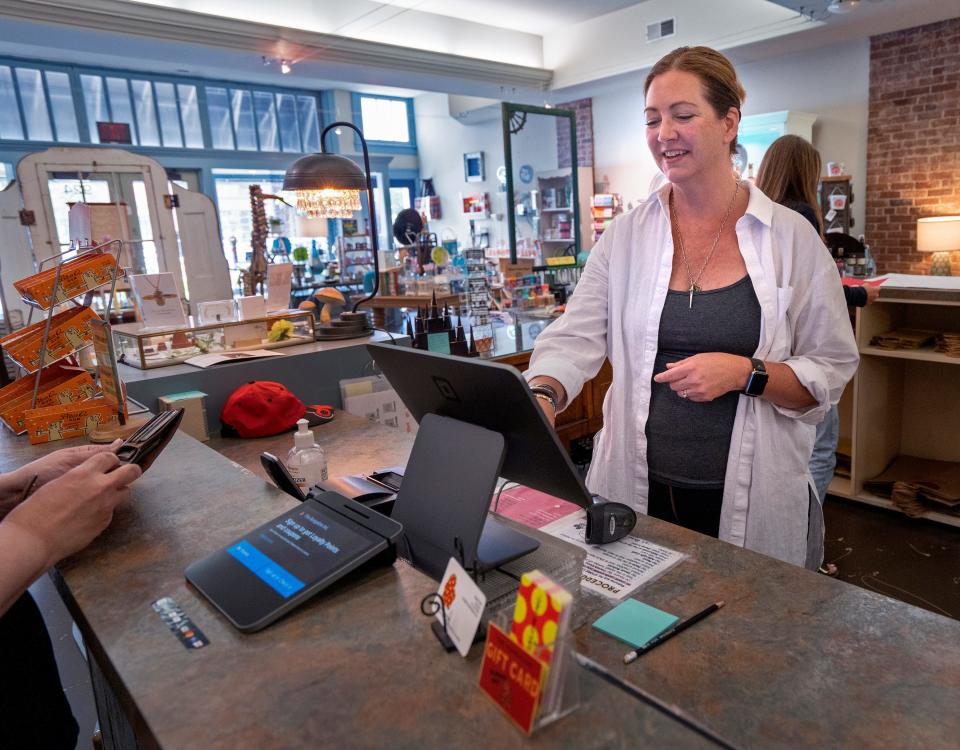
(306, 461)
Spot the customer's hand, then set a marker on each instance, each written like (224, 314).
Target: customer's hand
(872, 292)
(55, 465)
(704, 377)
(69, 512)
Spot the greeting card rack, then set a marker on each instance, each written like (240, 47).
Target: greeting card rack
(57, 261)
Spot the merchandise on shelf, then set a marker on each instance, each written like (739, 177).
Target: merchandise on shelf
(62, 421)
(429, 206)
(59, 384)
(58, 401)
(78, 275)
(478, 297)
(604, 207)
(557, 227)
(477, 205)
(146, 349)
(69, 330)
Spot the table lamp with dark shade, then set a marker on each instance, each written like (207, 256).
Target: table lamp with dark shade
(939, 235)
(329, 186)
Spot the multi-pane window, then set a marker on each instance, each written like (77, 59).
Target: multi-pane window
(38, 104)
(34, 104)
(247, 120)
(190, 115)
(169, 113)
(143, 106)
(61, 105)
(385, 120)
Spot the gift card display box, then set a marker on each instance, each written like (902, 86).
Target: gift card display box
(77, 276)
(69, 330)
(60, 422)
(58, 385)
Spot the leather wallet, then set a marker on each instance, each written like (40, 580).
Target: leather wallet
(143, 446)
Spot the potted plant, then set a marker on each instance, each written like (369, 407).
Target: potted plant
(300, 257)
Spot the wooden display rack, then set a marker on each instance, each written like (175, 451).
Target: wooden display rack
(901, 401)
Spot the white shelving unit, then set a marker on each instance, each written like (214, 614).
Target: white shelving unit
(901, 401)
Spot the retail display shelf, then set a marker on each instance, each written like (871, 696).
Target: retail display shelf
(841, 487)
(882, 502)
(924, 354)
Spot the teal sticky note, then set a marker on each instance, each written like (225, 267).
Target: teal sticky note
(634, 622)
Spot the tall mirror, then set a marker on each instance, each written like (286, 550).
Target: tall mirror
(543, 189)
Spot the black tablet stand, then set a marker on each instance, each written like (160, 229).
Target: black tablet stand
(445, 496)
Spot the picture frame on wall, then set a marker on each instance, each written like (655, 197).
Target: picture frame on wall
(473, 167)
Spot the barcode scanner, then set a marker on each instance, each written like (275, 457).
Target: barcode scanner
(608, 521)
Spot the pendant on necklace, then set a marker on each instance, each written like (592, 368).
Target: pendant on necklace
(693, 288)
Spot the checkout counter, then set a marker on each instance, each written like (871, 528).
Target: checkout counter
(795, 659)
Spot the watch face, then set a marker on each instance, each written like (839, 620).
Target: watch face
(756, 383)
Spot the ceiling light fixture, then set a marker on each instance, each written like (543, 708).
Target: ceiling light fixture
(843, 6)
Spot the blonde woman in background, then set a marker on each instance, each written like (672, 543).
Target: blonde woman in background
(789, 174)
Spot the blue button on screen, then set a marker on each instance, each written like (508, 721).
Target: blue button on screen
(276, 577)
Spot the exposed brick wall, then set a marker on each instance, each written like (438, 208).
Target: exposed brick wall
(913, 147)
(584, 118)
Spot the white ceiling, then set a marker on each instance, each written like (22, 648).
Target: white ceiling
(532, 16)
(520, 50)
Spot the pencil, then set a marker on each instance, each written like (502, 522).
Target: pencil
(673, 711)
(668, 634)
(26, 492)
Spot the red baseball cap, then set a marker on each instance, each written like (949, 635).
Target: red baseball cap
(260, 408)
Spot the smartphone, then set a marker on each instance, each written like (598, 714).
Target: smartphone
(389, 479)
(278, 472)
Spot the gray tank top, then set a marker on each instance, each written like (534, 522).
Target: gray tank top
(688, 442)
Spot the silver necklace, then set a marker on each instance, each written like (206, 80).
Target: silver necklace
(695, 281)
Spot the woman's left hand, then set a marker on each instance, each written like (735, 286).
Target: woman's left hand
(704, 377)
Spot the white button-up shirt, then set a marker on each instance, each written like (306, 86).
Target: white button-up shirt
(615, 313)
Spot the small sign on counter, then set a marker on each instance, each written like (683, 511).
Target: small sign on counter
(618, 568)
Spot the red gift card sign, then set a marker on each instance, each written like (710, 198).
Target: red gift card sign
(511, 677)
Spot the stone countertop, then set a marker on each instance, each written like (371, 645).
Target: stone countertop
(794, 659)
(352, 445)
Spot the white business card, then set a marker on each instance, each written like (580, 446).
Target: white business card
(463, 604)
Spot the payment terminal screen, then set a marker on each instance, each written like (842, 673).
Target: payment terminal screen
(295, 550)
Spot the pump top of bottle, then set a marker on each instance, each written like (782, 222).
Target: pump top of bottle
(303, 438)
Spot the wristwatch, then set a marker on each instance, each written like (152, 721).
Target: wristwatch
(757, 380)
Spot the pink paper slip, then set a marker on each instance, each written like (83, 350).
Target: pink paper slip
(854, 281)
(531, 507)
